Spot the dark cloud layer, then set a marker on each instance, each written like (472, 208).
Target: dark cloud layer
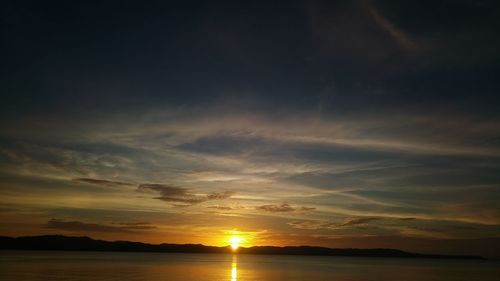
(315, 55)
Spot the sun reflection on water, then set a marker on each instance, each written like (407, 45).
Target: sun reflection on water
(234, 268)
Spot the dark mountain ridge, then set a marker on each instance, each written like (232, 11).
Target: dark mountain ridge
(70, 243)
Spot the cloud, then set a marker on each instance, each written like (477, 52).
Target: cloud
(430, 232)
(226, 208)
(402, 38)
(309, 224)
(359, 221)
(316, 224)
(106, 183)
(175, 194)
(276, 208)
(137, 225)
(94, 227)
(222, 208)
(283, 208)
(219, 195)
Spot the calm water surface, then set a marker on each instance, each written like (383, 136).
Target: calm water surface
(100, 266)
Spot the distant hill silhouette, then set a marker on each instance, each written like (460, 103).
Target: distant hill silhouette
(69, 243)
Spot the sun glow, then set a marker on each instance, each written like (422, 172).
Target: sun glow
(235, 242)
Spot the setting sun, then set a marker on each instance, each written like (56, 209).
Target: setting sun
(235, 242)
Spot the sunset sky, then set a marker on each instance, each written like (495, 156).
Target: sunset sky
(332, 123)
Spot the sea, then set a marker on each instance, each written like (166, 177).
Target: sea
(107, 266)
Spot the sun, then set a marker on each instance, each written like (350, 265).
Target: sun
(235, 242)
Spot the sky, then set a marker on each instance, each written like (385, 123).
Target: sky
(333, 123)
